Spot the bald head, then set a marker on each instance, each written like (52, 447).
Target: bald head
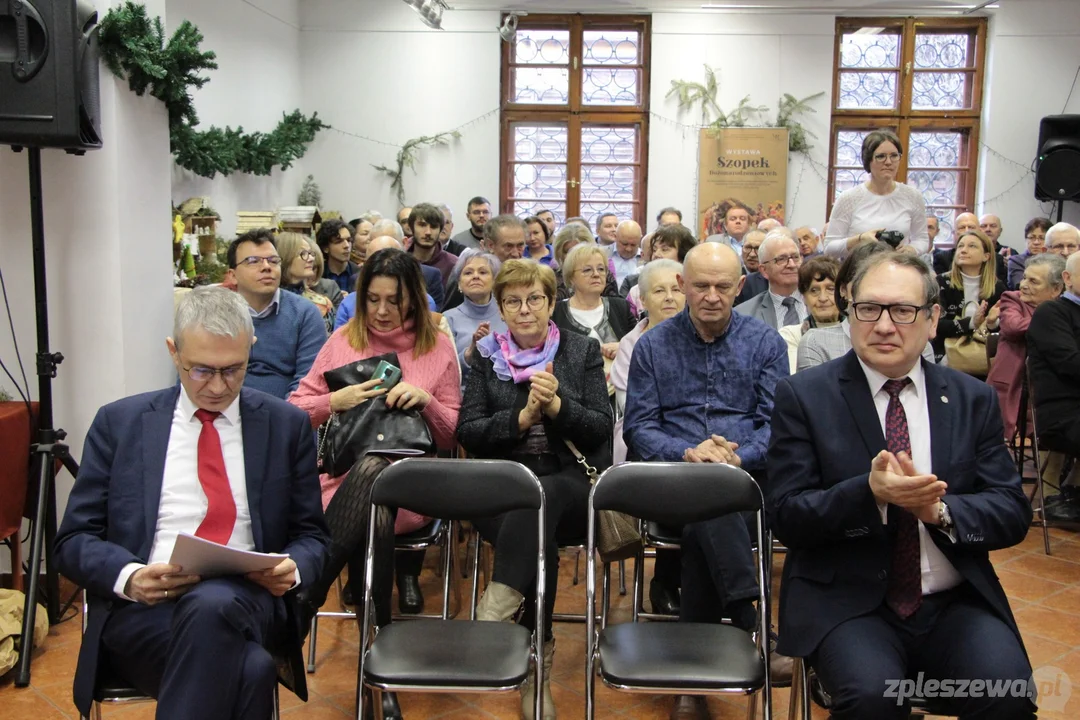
(966, 222)
(768, 224)
(387, 228)
(991, 225)
(381, 243)
(627, 239)
(708, 256)
(711, 280)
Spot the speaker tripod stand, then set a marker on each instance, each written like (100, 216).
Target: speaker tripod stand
(49, 450)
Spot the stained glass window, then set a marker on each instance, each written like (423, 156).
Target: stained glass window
(870, 62)
(942, 78)
(612, 67)
(937, 168)
(541, 67)
(538, 166)
(609, 171)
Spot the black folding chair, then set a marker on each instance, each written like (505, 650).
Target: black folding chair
(678, 658)
(452, 656)
(1040, 465)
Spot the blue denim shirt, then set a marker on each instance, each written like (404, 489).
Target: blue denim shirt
(681, 389)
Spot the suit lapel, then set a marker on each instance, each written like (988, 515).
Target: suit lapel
(861, 403)
(765, 311)
(941, 416)
(157, 424)
(255, 428)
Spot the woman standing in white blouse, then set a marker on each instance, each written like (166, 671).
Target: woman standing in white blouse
(881, 203)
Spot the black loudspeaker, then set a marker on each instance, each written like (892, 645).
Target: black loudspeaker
(1057, 174)
(49, 74)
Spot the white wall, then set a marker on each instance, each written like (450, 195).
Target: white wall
(258, 78)
(371, 68)
(1034, 51)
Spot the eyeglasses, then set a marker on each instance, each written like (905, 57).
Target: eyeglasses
(307, 255)
(1035, 237)
(786, 259)
(750, 249)
(598, 270)
(901, 314)
(535, 302)
(202, 374)
(256, 260)
(891, 157)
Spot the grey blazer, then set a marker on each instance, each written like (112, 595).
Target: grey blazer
(761, 307)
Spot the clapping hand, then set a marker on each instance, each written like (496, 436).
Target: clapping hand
(544, 387)
(482, 331)
(609, 350)
(980, 315)
(894, 480)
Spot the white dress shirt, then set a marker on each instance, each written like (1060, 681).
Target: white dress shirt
(937, 572)
(183, 503)
(781, 311)
(624, 267)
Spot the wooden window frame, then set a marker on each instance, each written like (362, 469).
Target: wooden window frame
(576, 114)
(904, 119)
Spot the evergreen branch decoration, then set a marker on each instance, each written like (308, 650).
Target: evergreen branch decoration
(790, 107)
(134, 48)
(407, 157)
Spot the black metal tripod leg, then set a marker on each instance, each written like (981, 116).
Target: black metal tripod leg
(37, 541)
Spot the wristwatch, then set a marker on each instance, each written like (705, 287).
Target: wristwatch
(944, 518)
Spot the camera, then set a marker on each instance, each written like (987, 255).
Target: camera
(892, 237)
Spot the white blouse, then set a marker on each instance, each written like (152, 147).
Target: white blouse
(858, 210)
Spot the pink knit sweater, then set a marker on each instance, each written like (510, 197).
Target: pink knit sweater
(436, 372)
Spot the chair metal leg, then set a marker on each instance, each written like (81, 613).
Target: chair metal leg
(606, 602)
(96, 710)
(622, 578)
(577, 566)
(639, 580)
(313, 636)
(751, 706)
(447, 569)
(277, 704)
(477, 542)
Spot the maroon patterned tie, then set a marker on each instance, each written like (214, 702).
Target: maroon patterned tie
(904, 593)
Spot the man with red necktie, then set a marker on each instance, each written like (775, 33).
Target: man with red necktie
(889, 510)
(233, 466)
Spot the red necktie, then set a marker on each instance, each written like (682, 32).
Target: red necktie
(217, 526)
(904, 593)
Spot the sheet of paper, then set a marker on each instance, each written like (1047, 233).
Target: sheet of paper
(208, 559)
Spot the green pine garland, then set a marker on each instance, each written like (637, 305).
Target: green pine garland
(134, 48)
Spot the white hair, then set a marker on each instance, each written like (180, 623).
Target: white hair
(774, 236)
(470, 254)
(1072, 266)
(1060, 227)
(386, 226)
(645, 277)
(1054, 265)
(216, 310)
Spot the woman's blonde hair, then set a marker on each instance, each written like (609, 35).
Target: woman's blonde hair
(571, 232)
(320, 266)
(577, 257)
(518, 273)
(988, 274)
(289, 246)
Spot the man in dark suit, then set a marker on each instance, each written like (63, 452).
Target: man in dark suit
(231, 465)
(889, 511)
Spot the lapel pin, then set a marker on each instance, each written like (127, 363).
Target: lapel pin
(944, 399)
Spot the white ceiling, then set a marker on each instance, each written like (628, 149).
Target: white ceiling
(831, 7)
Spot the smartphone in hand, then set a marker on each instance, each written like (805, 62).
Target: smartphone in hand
(388, 375)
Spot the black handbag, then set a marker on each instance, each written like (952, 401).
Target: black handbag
(370, 426)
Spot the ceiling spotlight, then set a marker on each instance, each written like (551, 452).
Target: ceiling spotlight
(430, 11)
(508, 29)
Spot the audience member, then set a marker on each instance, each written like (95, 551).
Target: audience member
(889, 482)
(606, 225)
(478, 212)
(393, 318)
(1053, 343)
(768, 225)
(587, 311)
(298, 269)
(661, 298)
(426, 222)
(537, 247)
(781, 304)
(933, 227)
(1035, 235)
(504, 237)
(736, 225)
(1042, 282)
(879, 204)
(361, 232)
(625, 254)
(755, 283)
(817, 285)
(531, 391)
(670, 242)
(808, 240)
(700, 389)
(668, 216)
(432, 277)
(403, 216)
(822, 345)
(572, 235)
(969, 292)
(447, 228)
(580, 221)
(201, 647)
(478, 314)
(319, 284)
(1063, 239)
(942, 260)
(347, 308)
(548, 218)
(335, 243)
(289, 329)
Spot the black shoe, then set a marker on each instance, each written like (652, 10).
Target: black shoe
(347, 594)
(664, 601)
(390, 708)
(1063, 513)
(410, 599)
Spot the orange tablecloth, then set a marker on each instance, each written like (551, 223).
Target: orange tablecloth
(14, 464)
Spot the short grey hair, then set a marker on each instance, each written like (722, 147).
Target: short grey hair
(1060, 227)
(573, 232)
(646, 276)
(497, 224)
(446, 210)
(931, 291)
(388, 227)
(463, 260)
(217, 310)
(774, 236)
(1073, 266)
(1055, 265)
(371, 216)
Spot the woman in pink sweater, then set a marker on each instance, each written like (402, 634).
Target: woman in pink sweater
(391, 316)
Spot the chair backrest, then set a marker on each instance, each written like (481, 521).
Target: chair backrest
(676, 493)
(992, 345)
(457, 489)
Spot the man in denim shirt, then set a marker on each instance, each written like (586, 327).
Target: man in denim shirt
(700, 389)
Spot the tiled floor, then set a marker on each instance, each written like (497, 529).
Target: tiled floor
(1044, 592)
